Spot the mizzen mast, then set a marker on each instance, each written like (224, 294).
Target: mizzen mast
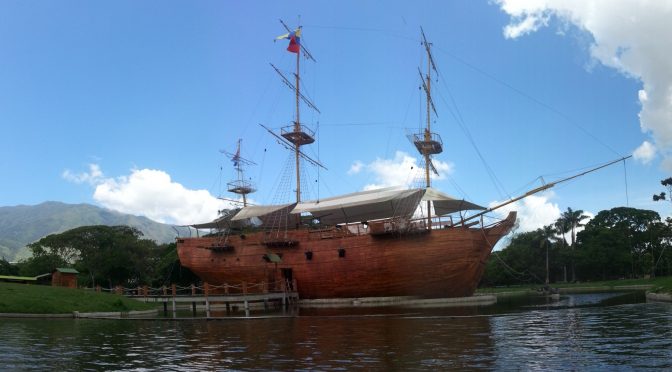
(240, 186)
(426, 142)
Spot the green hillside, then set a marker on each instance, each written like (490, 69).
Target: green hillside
(24, 224)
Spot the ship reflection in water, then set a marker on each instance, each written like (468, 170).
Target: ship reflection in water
(585, 331)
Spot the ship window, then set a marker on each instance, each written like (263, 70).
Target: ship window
(272, 257)
(341, 253)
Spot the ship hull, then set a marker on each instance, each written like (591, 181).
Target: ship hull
(335, 263)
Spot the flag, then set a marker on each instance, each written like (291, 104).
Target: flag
(236, 157)
(294, 40)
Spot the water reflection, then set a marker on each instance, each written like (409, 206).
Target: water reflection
(537, 334)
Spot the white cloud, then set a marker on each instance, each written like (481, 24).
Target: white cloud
(631, 36)
(526, 25)
(645, 152)
(534, 212)
(356, 167)
(93, 176)
(402, 170)
(151, 193)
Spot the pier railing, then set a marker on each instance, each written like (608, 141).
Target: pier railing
(284, 292)
(205, 289)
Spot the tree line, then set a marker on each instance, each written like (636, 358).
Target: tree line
(104, 255)
(617, 243)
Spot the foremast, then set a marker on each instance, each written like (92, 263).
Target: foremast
(426, 142)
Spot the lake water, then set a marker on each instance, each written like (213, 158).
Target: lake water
(582, 331)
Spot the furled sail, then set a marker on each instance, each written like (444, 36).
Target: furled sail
(363, 206)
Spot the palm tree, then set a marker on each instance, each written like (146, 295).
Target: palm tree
(562, 228)
(573, 220)
(548, 233)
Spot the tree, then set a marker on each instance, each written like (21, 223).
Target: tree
(562, 228)
(169, 270)
(548, 234)
(620, 242)
(522, 261)
(573, 219)
(7, 268)
(112, 254)
(662, 196)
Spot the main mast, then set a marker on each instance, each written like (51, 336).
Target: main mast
(428, 143)
(297, 134)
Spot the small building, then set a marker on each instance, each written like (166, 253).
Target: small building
(64, 277)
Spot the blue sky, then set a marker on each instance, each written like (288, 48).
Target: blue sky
(126, 104)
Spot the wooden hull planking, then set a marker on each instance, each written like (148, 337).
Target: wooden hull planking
(446, 262)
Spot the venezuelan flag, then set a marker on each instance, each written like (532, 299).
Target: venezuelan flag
(294, 40)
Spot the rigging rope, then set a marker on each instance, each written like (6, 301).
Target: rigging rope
(531, 98)
(457, 115)
(625, 175)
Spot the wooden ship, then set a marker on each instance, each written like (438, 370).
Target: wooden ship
(364, 244)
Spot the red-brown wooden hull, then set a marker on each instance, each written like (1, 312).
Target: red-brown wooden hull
(447, 262)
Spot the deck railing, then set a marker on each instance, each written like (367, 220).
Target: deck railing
(205, 289)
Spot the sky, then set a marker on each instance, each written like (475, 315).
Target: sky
(128, 105)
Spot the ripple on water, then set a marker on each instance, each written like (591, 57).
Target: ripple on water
(614, 337)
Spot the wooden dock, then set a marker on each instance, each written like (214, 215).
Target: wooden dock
(207, 295)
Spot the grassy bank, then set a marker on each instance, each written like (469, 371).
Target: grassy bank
(659, 285)
(38, 299)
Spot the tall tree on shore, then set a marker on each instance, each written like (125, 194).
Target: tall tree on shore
(105, 254)
(548, 234)
(573, 219)
(562, 228)
(662, 196)
(622, 242)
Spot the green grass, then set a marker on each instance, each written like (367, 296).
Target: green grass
(660, 285)
(40, 299)
(663, 285)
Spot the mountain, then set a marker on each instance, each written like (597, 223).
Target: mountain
(23, 224)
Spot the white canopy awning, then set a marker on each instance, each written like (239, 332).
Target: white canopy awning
(444, 204)
(269, 215)
(219, 223)
(355, 207)
(363, 206)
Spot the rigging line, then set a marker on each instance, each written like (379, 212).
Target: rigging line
(386, 32)
(461, 122)
(458, 188)
(261, 169)
(501, 190)
(318, 159)
(516, 274)
(364, 124)
(531, 98)
(625, 175)
(457, 114)
(408, 106)
(256, 106)
(528, 185)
